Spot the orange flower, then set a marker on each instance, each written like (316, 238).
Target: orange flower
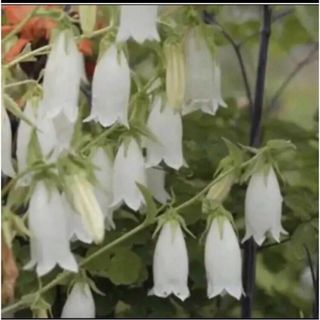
(35, 29)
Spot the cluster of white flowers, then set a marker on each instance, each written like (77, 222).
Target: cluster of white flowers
(84, 210)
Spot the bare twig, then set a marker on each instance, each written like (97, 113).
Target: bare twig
(304, 62)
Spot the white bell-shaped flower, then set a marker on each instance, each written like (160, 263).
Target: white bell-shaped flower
(62, 76)
(203, 79)
(110, 89)
(223, 259)
(103, 191)
(263, 206)
(64, 129)
(170, 263)
(48, 224)
(156, 184)
(128, 169)
(166, 125)
(76, 227)
(80, 303)
(138, 22)
(46, 134)
(6, 144)
(24, 134)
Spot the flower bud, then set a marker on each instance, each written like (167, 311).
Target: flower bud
(220, 190)
(175, 75)
(86, 204)
(87, 17)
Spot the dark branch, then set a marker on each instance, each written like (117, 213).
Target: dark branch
(313, 276)
(308, 59)
(249, 245)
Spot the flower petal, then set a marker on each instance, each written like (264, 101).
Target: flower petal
(138, 22)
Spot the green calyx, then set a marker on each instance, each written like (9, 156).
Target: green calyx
(171, 216)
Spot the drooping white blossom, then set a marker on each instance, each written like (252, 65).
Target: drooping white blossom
(223, 260)
(46, 134)
(110, 89)
(263, 207)
(86, 204)
(24, 135)
(203, 79)
(138, 22)
(103, 191)
(64, 129)
(128, 169)
(80, 303)
(62, 75)
(170, 263)
(6, 144)
(156, 184)
(76, 227)
(166, 125)
(48, 224)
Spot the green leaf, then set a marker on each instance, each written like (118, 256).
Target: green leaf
(151, 207)
(124, 267)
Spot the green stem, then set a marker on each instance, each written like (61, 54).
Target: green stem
(107, 247)
(19, 83)
(102, 135)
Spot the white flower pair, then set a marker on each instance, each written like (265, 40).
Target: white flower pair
(222, 261)
(111, 80)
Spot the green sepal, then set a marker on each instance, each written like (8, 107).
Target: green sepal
(151, 207)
